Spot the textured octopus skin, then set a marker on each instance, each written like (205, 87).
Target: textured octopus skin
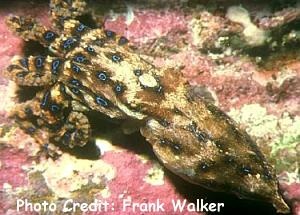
(95, 70)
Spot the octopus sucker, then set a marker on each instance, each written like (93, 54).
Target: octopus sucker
(93, 69)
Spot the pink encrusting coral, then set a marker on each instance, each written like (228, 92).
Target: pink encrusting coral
(262, 94)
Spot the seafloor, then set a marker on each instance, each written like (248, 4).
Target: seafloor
(244, 59)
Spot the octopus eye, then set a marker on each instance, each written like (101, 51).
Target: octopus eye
(76, 68)
(81, 27)
(102, 76)
(123, 41)
(49, 36)
(55, 66)
(101, 101)
(39, 62)
(138, 72)
(116, 58)
(110, 34)
(119, 88)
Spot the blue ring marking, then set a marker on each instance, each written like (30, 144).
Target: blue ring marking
(102, 76)
(76, 68)
(24, 62)
(79, 58)
(66, 137)
(28, 111)
(90, 49)
(75, 82)
(119, 88)
(55, 66)
(159, 89)
(49, 36)
(31, 130)
(54, 108)
(246, 170)
(62, 89)
(122, 41)
(39, 62)
(68, 43)
(81, 27)
(101, 101)
(75, 90)
(138, 72)
(109, 33)
(45, 99)
(116, 58)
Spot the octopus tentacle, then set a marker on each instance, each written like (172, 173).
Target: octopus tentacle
(75, 131)
(62, 10)
(31, 120)
(34, 70)
(29, 29)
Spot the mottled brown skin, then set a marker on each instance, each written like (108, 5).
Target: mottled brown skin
(94, 70)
